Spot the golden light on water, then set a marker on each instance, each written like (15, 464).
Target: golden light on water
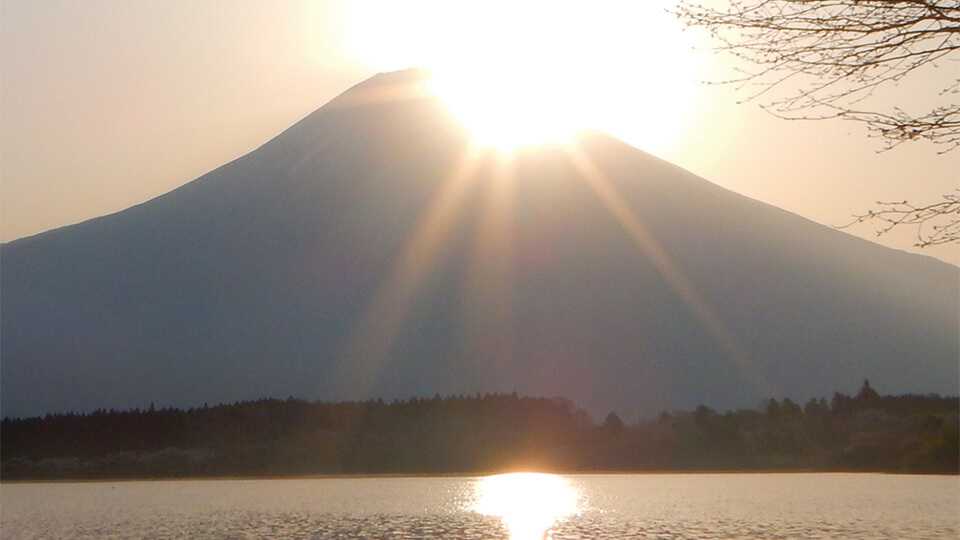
(529, 504)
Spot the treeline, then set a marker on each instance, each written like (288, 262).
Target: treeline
(908, 433)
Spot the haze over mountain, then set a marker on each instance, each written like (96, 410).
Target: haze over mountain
(367, 251)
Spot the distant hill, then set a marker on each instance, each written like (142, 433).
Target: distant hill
(366, 252)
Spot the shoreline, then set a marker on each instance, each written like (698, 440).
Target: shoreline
(471, 474)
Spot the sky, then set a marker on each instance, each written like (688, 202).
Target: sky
(106, 104)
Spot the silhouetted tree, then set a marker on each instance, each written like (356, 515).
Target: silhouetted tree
(773, 408)
(816, 407)
(479, 433)
(790, 409)
(867, 393)
(612, 423)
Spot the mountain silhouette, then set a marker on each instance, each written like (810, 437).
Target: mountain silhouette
(370, 251)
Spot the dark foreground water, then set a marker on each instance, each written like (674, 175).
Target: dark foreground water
(523, 506)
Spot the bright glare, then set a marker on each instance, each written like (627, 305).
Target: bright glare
(538, 71)
(529, 504)
(503, 116)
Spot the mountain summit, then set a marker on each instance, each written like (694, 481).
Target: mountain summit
(369, 251)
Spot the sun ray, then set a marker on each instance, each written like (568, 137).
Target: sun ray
(647, 244)
(490, 278)
(370, 345)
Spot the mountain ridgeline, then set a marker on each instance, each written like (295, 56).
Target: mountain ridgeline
(369, 252)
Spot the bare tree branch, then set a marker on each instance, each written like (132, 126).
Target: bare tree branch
(824, 59)
(936, 224)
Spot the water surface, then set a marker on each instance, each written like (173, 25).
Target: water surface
(676, 506)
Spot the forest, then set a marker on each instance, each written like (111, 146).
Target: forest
(482, 433)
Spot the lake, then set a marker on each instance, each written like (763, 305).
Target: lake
(518, 506)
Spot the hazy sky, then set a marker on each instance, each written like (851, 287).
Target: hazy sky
(106, 104)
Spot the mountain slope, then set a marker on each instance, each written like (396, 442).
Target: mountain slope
(365, 252)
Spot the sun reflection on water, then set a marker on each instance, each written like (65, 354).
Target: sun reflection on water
(528, 503)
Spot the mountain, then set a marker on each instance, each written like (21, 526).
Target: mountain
(368, 251)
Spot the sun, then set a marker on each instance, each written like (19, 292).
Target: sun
(536, 72)
(507, 113)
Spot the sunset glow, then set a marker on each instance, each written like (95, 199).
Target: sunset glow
(511, 269)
